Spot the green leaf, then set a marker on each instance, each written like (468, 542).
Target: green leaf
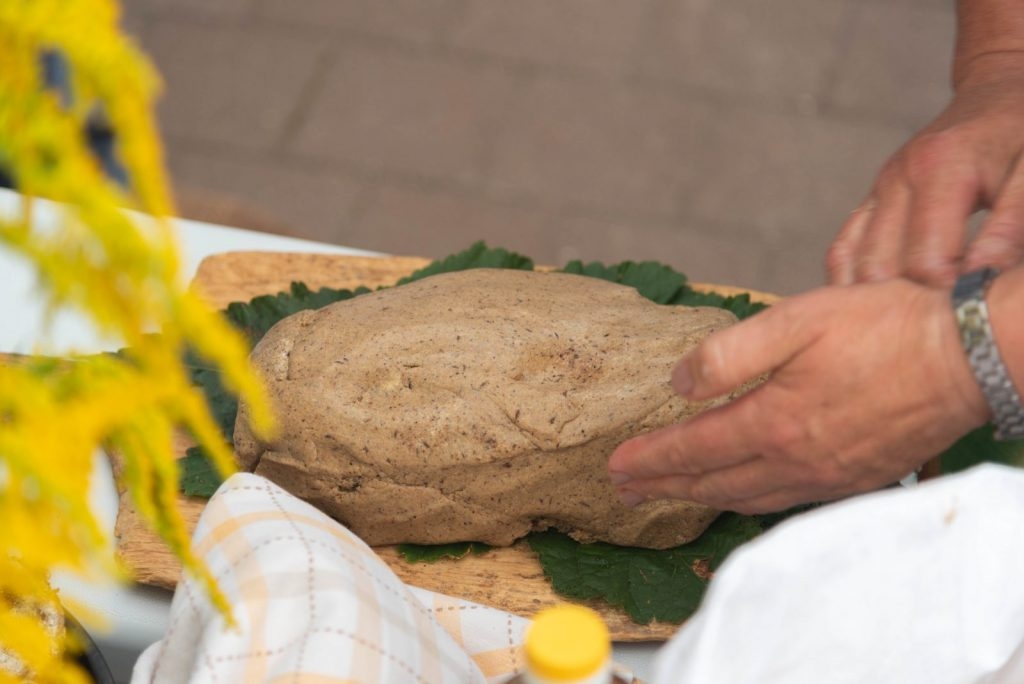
(257, 316)
(740, 305)
(477, 256)
(662, 284)
(649, 585)
(980, 446)
(197, 475)
(430, 553)
(657, 282)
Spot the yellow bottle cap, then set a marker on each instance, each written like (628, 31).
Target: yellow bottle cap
(567, 642)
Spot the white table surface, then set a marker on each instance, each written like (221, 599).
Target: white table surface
(137, 616)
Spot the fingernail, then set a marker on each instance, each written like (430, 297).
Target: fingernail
(630, 499)
(682, 380)
(619, 477)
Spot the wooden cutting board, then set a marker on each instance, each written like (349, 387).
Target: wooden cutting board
(506, 578)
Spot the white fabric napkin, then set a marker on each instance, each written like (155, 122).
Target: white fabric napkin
(313, 603)
(905, 586)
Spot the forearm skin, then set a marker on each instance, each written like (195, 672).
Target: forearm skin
(990, 39)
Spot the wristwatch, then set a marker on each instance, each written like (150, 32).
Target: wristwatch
(983, 354)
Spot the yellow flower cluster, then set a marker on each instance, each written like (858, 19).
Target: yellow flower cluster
(119, 268)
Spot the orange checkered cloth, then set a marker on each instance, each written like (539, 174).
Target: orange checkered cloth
(313, 603)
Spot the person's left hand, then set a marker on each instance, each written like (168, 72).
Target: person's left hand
(867, 383)
(915, 222)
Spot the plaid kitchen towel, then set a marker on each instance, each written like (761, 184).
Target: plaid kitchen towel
(313, 603)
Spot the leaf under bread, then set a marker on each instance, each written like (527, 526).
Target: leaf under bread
(663, 285)
(430, 553)
(197, 475)
(259, 315)
(649, 585)
(479, 255)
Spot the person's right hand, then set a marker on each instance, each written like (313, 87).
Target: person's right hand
(864, 384)
(914, 222)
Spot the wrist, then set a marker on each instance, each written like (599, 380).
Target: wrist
(988, 68)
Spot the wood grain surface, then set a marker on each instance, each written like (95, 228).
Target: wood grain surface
(506, 578)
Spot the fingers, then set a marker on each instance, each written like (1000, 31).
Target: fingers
(869, 248)
(943, 200)
(723, 436)
(1000, 242)
(754, 486)
(917, 225)
(880, 251)
(715, 439)
(730, 357)
(840, 261)
(752, 478)
(769, 503)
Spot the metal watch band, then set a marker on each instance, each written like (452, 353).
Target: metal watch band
(983, 354)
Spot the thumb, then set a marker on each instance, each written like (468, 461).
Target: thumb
(760, 344)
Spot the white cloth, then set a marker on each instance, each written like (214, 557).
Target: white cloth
(918, 585)
(313, 603)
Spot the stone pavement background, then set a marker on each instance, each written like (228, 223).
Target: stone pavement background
(729, 138)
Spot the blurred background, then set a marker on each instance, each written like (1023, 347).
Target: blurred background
(728, 138)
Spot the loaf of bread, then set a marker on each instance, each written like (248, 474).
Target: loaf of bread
(477, 406)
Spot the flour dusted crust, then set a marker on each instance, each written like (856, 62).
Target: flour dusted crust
(477, 405)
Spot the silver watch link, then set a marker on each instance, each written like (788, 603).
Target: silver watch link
(972, 317)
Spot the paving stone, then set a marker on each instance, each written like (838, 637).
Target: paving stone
(434, 224)
(310, 203)
(897, 64)
(134, 20)
(797, 265)
(781, 48)
(415, 114)
(787, 175)
(590, 34)
(564, 159)
(229, 85)
(417, 21)
(703, 252)
(597, 145)
(199, 8)
(945, 5)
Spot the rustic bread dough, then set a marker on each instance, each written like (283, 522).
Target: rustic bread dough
(477, 405)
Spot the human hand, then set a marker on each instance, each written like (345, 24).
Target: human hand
(914, 222)
(867, 383)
